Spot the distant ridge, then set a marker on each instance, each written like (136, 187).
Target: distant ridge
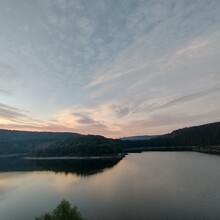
(201, 135)
(22, 142)
(138, 138)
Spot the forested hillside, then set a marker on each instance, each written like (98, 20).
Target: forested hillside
(59, 144)
(12, 142)
(203, 135)
(84, 145)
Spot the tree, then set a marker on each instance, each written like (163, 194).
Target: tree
(63, 211)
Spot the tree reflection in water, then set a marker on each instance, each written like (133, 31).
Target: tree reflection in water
(78, 167)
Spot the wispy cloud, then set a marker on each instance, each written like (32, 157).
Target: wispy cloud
(10, 114)
(85, 119)
(190, 97)
(165, 123)
(99, 67)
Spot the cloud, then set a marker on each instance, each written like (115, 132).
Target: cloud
(192, 47)
(97, 67)
(165, 123)
(121, 111)
(10, 114)
(85, 120)
(167, 102)
(143, 54)
(190, 97)
(14, 117)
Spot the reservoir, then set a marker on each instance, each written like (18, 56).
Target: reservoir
(148, 185)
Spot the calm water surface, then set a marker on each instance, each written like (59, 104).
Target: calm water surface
(150, 185)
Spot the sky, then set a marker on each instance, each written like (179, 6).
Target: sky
(110, 67)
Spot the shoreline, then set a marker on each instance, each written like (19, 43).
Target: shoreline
(11, 155)
(208, 150)
(118, 156)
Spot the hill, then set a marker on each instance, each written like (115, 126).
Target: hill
(73, 144)
(81, 146)
(202, 135)
(12, 141)
(138, 138)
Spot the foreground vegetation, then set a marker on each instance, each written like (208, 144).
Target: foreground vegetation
(63, 211)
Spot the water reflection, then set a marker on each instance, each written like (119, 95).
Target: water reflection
(78, 167)
(152, 185)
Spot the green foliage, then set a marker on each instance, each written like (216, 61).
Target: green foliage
(84, 145)
(63, 211)
(208, 134)
(72, 144)
(12, 142)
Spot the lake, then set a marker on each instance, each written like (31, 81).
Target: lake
(148, 185)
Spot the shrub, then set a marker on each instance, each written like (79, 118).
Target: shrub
(63, 211)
